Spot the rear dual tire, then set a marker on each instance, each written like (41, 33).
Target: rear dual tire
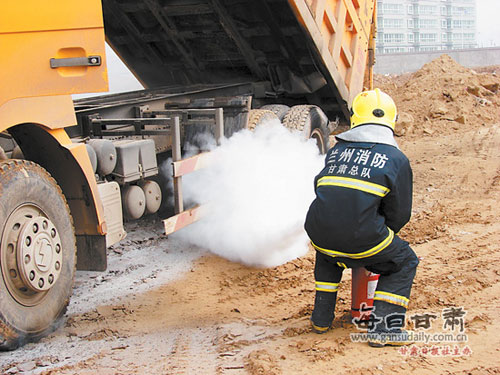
(257, 117)
(311, 121)
(280, 110)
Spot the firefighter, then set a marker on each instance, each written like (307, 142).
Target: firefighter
(363, 199)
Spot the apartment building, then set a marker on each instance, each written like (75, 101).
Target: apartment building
(425, 25)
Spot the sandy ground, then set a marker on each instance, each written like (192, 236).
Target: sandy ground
(164, 309)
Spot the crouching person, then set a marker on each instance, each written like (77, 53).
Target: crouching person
(363, 199)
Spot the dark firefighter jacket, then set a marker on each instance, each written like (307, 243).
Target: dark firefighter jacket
(363, 198)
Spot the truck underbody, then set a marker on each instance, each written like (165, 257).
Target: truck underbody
(216, 42)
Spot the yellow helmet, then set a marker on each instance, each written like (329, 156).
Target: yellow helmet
(373, 107)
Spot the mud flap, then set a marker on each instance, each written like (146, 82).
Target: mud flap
(91, 253)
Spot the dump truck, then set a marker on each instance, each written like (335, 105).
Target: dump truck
(70, 171)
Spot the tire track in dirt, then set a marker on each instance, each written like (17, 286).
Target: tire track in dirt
(177, 358)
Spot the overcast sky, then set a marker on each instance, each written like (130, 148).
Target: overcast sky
(488, 26)
(488, 35)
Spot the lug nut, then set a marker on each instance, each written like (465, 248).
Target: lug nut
(53, 232)
(35, 228)
(27, 259)
(57, 266)
(40, 283)
(32, 275)
(45, 224)
(28, 241)
(58, 248)
(51, 279)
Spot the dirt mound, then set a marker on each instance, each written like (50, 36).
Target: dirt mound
(442, 97)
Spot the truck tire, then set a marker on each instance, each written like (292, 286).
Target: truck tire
(257, 117)
(311, 121)
(280, 110)
(37, 253)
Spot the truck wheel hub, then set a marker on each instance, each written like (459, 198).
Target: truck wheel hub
(39, 255)
(30, 254)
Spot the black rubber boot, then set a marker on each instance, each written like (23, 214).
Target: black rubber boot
(389, 327)
(324, 311)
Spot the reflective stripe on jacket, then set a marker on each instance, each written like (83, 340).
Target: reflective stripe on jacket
(363, 197)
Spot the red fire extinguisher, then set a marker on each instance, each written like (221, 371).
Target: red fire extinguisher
(363, 288)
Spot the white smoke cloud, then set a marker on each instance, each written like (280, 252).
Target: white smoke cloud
(258, 188)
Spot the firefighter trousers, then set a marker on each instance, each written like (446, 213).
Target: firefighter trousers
(396, 265)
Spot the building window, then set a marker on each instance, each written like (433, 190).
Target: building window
(468, 24)
(410, 9)
(468, 11)
(427, 23)
(443, 10)
(411, 24)
(428, 37)
(394, 38)
(392, 8)
(410, 38)
(444, 37)
(462, 11)
(463, 24)
(427, 9)
(394, 23)
(443, 24)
